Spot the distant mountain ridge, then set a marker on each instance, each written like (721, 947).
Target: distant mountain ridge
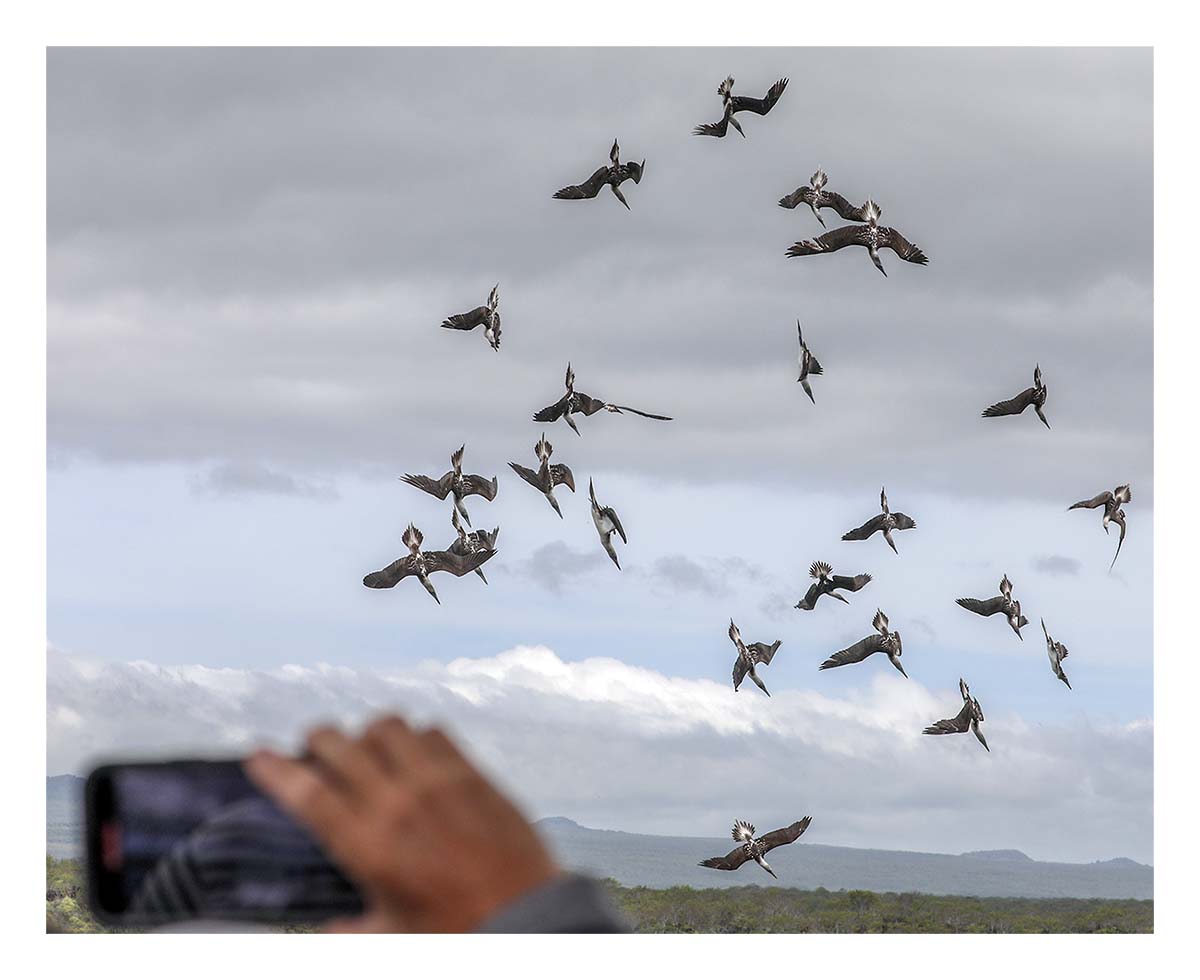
(664, 862)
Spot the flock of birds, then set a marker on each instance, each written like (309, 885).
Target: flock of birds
(471, 549)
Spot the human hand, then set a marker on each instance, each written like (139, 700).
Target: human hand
(433, 846)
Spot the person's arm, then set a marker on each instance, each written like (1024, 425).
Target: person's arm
(432, 845)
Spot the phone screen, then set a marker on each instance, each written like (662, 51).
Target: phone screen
(170, 841)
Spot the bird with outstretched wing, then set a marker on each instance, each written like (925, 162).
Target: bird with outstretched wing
(739, 103)
(751, 848)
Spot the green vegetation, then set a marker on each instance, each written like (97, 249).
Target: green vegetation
(757, 909)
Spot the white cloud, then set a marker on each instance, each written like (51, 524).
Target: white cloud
(626, 747)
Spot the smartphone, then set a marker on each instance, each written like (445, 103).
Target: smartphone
(193, 839)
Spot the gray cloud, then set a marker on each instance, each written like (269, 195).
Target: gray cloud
(712, 577)
(556, 566)
(1064, 792)
(1057, 565)
(271, 237)
(236, 479)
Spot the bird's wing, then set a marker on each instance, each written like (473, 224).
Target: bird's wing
(612, 516)
(742, 103)
(846, 210)
(864, 532)
(985, 607)
(740, 666)
(645, 415)
(587, 405)
(589, 188)
(561, 473)
(762, 652)
(526, 474)
(385, 578)
(952, 726)
(856, 653)
(448, 561)
(903, 521)
(890, 238)
(439, 488)
(850, 583)
(814, 367)
(785, 835)
(1100, 500)
(1013, 406)
(801, 195)
(730, 862)
(551, 413)
(467, 321)
(831, 241)
(811, 596)
(717, 129)
(480, 486)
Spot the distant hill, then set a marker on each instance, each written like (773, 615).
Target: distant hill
(1009, 855)
(663, 862)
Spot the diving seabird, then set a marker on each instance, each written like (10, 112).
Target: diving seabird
(422, 564)
(1003, 603)
(1035, 396)
(613, 176)
(606, 521)
(470, 543)
(815, 196)
(826, 582)
(739, 103)
(882, 641)
(547, 476)
(488, 315)
(749, 654)
(576, 402)
(808, 364)
(456, 483)
(966, 720)
(1111, 501)
(872, 236)
(1057, 652)
(887, 522)
(751, 849)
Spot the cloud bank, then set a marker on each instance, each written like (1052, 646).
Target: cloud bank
(625, 747)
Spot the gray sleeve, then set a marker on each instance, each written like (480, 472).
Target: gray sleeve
(570, 903)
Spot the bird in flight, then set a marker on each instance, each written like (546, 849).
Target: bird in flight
(739, 103)
(883, 640)
(455, 483)
(826, 582)
(422, 564)
(815, 196)
(613, 175)
(1003, 603)
(1035, 396)
(751, 848)
(577, 403)
(872, 236)
(1114, 513)
(607, 522)
(488, 315)
(808, 364)
(469, 543)
(966, 720)
(1057, 652)
(547, 476)
(887, 522)
(748, 655)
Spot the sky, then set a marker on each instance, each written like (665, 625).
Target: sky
(249, 254)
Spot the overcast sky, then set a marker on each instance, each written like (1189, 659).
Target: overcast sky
(249, 256)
